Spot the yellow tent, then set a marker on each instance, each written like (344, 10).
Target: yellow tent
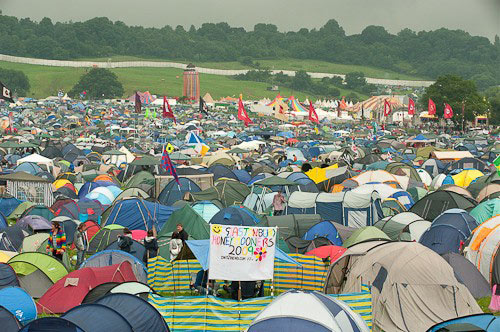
(6, 255)
(318, 174)
(464, 178)
(61, 182)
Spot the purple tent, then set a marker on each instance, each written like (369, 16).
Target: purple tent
(34, 223)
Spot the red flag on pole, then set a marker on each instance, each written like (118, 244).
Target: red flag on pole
(169, 113)
(138, 103)
(387, 108)
(431, 108)
(313, 116)
(242, 113)
(411, 107)
(448, 111)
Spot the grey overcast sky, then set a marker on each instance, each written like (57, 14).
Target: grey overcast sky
(478, 17)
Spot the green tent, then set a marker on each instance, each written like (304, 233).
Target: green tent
(275, 181)
(143, 180)
(486, 210)
(37, 272)
(18, 212)
(417, 193)
(192, 222)
(34, 242)
(146, 160)
(228, 192)
(369, 233)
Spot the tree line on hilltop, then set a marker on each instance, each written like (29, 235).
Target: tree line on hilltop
(427, 54)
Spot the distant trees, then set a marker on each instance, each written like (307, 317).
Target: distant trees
(15, 80)
(426, 53)
(454, 90)
(98, 83)
(493, 97)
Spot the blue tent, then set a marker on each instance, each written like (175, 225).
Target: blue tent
(3, 222)
(449, 231)
(51, 324)
(135, 213)
(235, 215)
(8, 277)
(19, 303)
(201, 248)
(206, 209)
(85, 316)
(221, 171)
(8, 204)
(141, 315)
(174, 192)
(324, 229)
(480, 322)
(30, 168)
(242, 175)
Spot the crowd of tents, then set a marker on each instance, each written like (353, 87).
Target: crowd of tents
(418, 222)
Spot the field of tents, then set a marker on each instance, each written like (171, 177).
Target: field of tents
(378, 230)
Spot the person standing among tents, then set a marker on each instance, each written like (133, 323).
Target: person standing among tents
(125, 240)
(57, 241)
(151, 245)
(278, 201)
(81, 244)
(180, 233)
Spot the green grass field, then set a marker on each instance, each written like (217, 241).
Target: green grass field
(286, 64)
(46, 81)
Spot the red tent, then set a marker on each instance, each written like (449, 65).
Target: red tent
(70, 291)
(91, 227)
(334, 252)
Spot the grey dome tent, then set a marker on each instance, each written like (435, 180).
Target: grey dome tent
(109, 319)
(298, 311)
(8, 276)
(141, 315)
(433, 204)
(8, 321)
(468, 275)
(413, 288)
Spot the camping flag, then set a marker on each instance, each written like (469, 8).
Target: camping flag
(313, 116)
(6, 94)
(169, 113)
(203, 106)
(387, 108)
(411, 107)
(448, 111)
(496, 162)
(168, 166)
(431, 108)
(138, 103)
(242, 113)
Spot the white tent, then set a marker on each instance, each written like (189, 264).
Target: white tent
(39, 160)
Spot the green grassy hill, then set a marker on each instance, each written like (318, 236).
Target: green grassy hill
(46, 81)
(285, 64)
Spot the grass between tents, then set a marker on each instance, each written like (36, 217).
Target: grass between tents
(285, 64)
(484, 303)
